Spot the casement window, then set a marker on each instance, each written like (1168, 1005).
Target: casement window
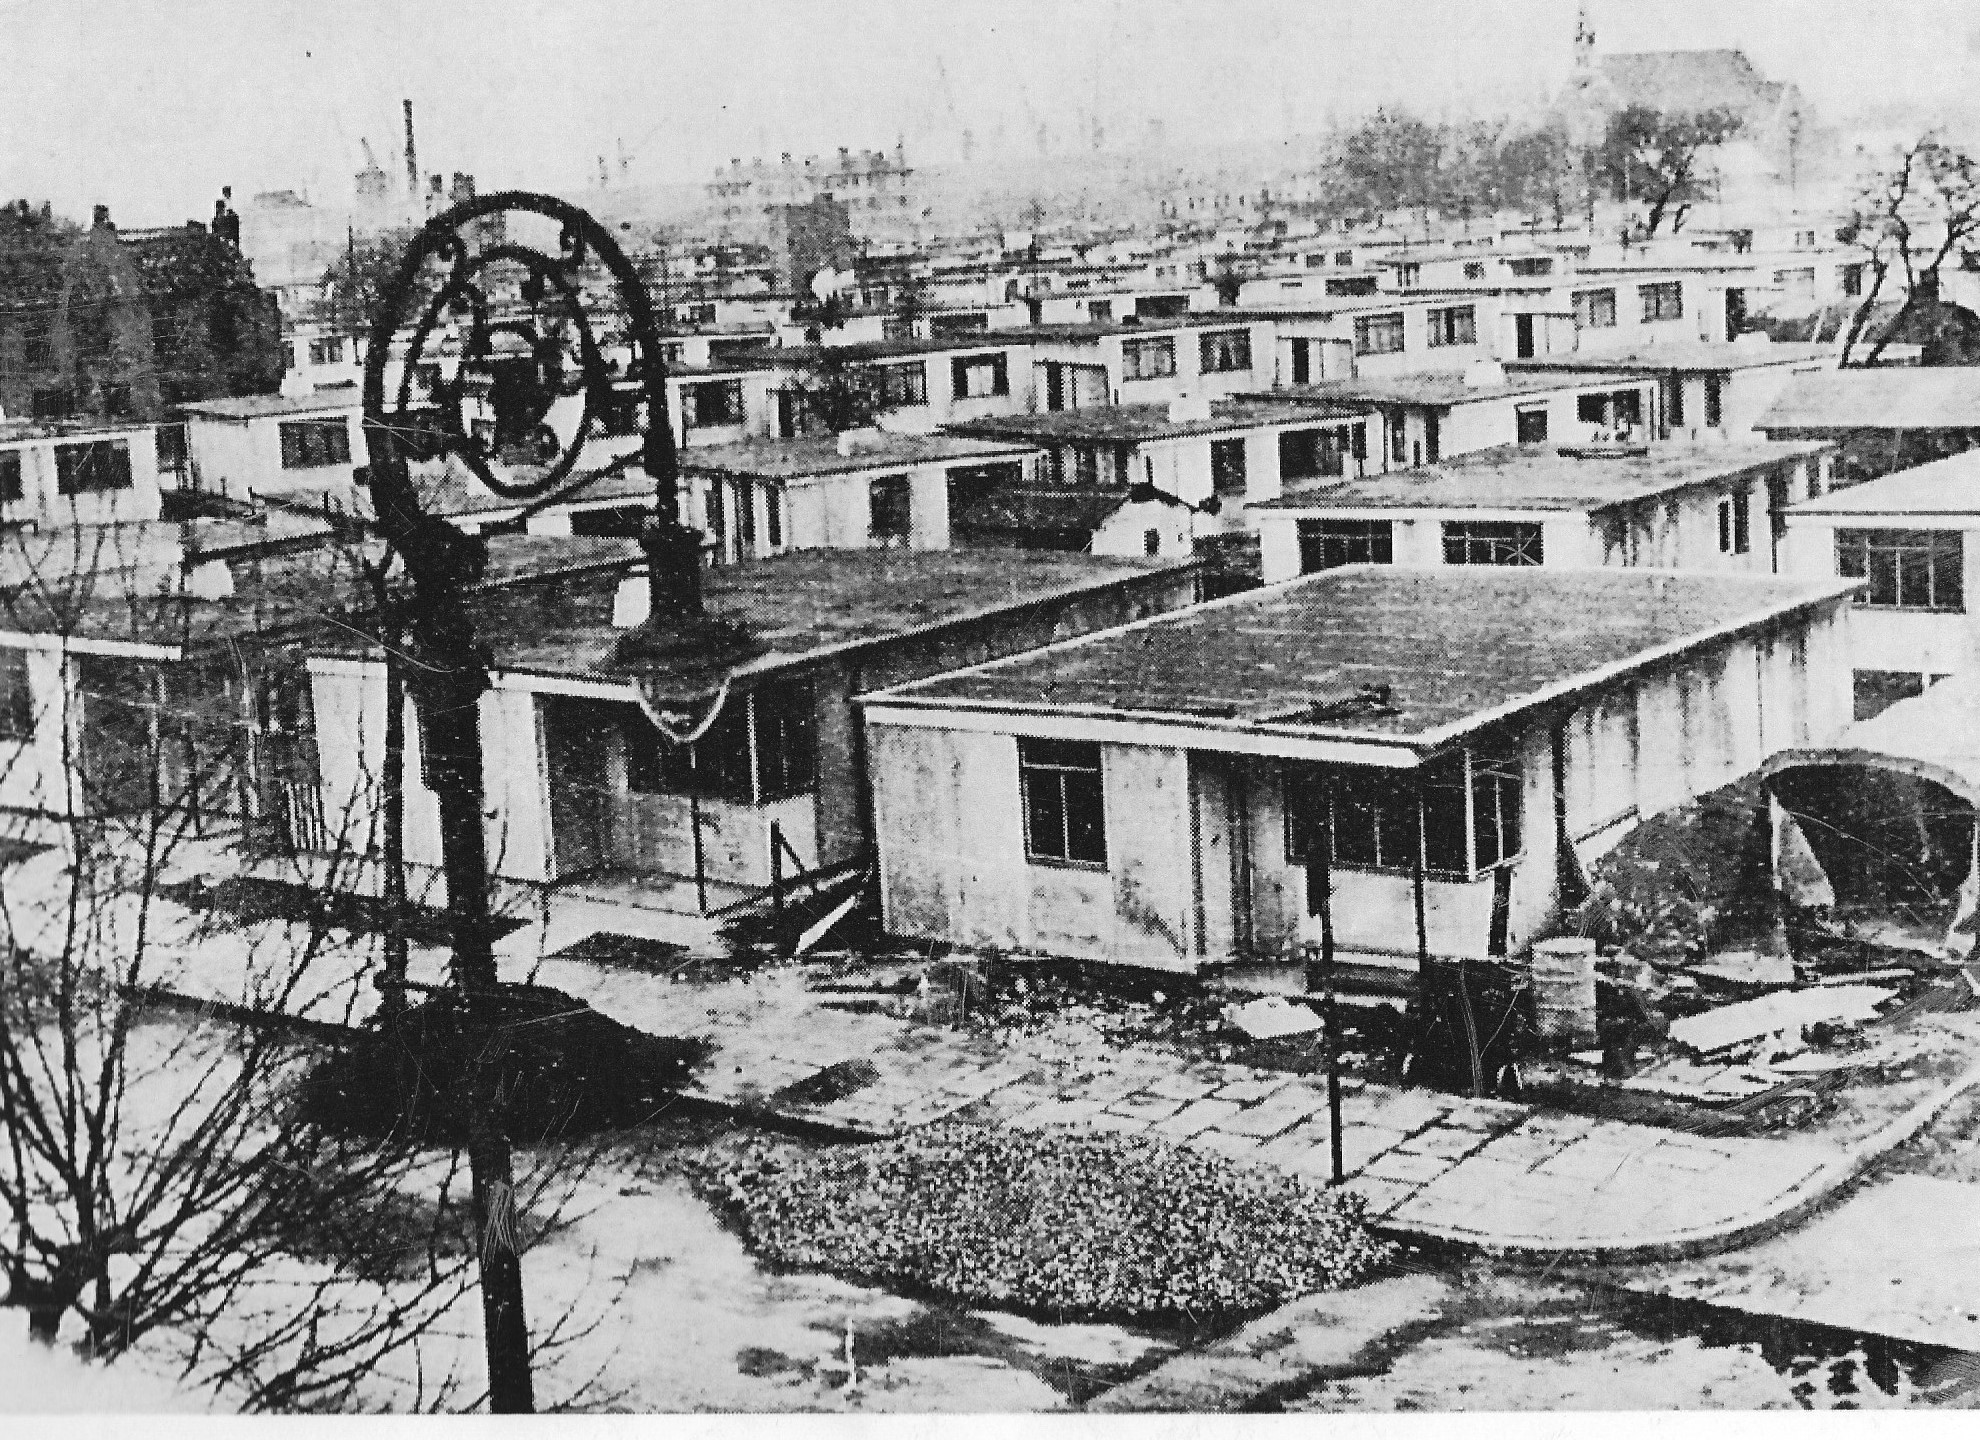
(1610, 410)
(1531, 265)
(1148, 359)
(1470, 814)
(91, 466)
(1224, 350)
(711, 403)
(621, 413)
(1100, 312)
(1408, 275)
(11, 485)
(1227, 475)
(901, 386)
(889, 501)
(1530, 425)
(309, 444)
(1662, 301)
(965, 323)
(1736, 524)
(1852, 279)
(976, 377)
(327, 350)
(1344, 257)
(1594, 309)
(1454, 325)
(1064, 805)
(1308, 454)
(1906, 569)
(1160, 307)
(1474, 270)
(16, 702)
(1328, 544)
(1378, 334)
(1492, 542)
(762, 747)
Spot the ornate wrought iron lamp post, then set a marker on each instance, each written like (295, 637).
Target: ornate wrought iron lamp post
(448, 665)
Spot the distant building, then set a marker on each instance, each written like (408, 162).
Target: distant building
(874, 185)
(105, 324)
(808, 238)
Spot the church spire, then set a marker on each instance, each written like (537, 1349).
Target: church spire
(1584, 38)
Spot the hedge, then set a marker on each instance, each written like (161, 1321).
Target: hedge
(1066, 1224)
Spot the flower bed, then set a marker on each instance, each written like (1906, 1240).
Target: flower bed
(1072, 1225)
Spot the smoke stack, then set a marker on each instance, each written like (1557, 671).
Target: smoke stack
(412, 157)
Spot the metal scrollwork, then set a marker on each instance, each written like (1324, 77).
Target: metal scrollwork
(532, 385)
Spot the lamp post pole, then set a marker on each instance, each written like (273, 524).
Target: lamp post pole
(449, 666)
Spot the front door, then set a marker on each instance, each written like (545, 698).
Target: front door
(1735, 312)
(1055, 386)
(1302, 362)
(574, 747)
(790, 414)
(1523, 336)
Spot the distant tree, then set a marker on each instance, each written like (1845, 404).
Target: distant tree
(353, 286)
(1392, 161)
(1535, 172)
(835, 396)
(1910, 220)
(1652, 156)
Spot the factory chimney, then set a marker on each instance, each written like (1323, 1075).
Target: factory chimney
(412, 158)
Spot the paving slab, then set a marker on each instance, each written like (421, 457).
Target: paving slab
(1274, 1116)
(1199, 1116)
(1400, 1165)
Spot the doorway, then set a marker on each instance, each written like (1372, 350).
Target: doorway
(1302, 362)
(1523, 336)
(575, 749)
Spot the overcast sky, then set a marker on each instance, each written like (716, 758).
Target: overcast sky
(150, 106)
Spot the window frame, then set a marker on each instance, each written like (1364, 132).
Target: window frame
(1149, 357)
(13, 477)
(1384, 326)
(1222, 352)
(692, 415)
(314, 443)
(1943, 554)
(1513, 544)
(963, 367)
(890, 507)
(1445, 331)
(1481, 787)
(1329, 537)
(69, 455)
(1047, 770)
(1589, 308)
(1226, 479)
(901, 385)
(1662, 301)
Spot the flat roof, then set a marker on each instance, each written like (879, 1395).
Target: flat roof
(1547, 477)
(1459, 647)
(797, 608)
(1132, 424)
(878, 450)
(250, 407)
(1442, 388)
(14, 432)
(1906, 397)
(1941, 487)
(1686, 356)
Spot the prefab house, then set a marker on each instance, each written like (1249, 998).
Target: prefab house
(69, 473)
(1437, 751)
(665, 763)
(1913, 539)
(1701, 386)
(246, 446)
(1674, 505)
(1885, 418)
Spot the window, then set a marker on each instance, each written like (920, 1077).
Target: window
(1798, 284)
(903, 385)
(1408, 274)
(777, 718)
(91, 324)
(1223, 350)
(890, 506)
(1906, 569)
(1714, 400)
(165, 336)
(1328, 544)
(1344, 257)
(308, 444)
(976, 377)
(1492, 542)
(117, 401)
(773, 516)
(1064, 807)
(11, 487)
(93, 465)
(1148, 359)
(1474, 270)
(1594, 309)
(54, 403)
(621, 413)
(1454, 325)
(1161, 307)
(897, 327)
(745, 519)
(961, 324)
(1614, 409)
(711, 403)
(1531, 265)
(1662, 301)
(1378, 334)
(1099, 311)
(1852, 279)
(1470, 814)
(1307, 454)
(1736, 524)
(327, 350)
(1151, 543)
(16, 703)
(1530, 426)
(1227, 467)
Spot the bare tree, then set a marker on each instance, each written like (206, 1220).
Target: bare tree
(1910, 220)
